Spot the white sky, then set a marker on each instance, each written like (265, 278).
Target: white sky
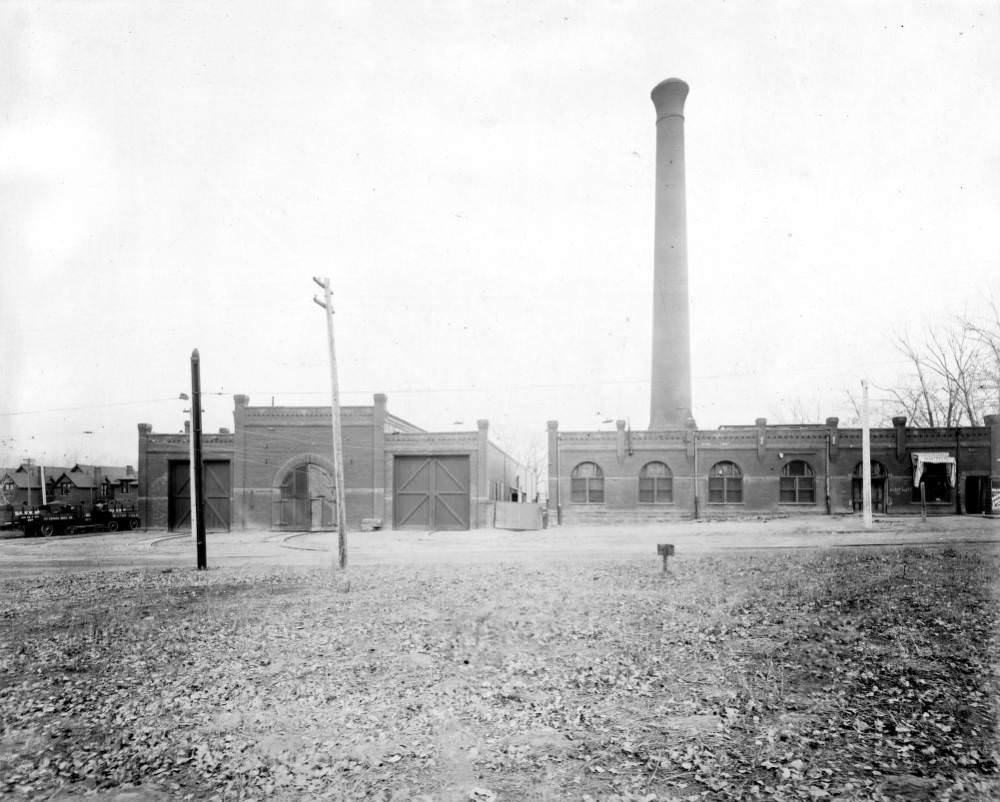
(477, 181)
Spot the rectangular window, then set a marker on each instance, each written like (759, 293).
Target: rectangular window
(807, 491)
(596, 491)
(716, 489)
(578, 493)
(657, 490)
(787, 491)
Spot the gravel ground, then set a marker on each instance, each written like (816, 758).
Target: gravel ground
(150, 550)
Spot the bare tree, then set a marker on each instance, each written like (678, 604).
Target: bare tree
(799, 410)
(986, 331)
(951, 374)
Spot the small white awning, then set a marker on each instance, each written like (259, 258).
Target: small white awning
(921, 459)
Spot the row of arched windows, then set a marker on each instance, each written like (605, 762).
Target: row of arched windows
(797, 483)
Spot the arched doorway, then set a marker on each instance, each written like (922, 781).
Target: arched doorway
(306, 498)
(879, 475)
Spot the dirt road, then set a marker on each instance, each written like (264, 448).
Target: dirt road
(159, 551)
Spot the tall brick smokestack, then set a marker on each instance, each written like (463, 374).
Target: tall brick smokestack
(670, 396)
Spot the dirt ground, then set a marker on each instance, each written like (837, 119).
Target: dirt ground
(780, 659)
(40, 556)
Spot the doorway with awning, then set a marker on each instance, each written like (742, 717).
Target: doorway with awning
(937, 472)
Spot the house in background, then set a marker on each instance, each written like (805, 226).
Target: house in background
(85, 484)
(89, 484)
(23, 484)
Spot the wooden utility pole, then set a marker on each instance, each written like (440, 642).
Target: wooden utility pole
(338, 453)
(190, 432)
(191, 479)
(198, 497)
(866, 459)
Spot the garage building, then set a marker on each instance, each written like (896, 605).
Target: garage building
(274, 470)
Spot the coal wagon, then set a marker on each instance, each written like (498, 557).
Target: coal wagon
(67, 519)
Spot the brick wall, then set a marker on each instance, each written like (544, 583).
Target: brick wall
(761, 452)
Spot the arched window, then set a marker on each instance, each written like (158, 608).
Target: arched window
(878, 470)
(656, 484)
(725, 483)
(798, 483)
(587, 484)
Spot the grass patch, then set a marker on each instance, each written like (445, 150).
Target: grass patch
(838, 674)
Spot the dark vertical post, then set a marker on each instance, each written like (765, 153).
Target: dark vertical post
(992, 494)
(666, 550)
(958, 474)
(198, 500)
(694, 436)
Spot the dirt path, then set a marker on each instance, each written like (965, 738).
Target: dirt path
(151, 550)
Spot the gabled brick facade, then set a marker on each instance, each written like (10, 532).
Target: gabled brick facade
(278, 465)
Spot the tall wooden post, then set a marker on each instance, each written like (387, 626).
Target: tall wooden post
(191, 478)
(338, 454)
(198, 499)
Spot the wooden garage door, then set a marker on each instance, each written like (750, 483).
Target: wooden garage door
(431, 492)
(217, 485)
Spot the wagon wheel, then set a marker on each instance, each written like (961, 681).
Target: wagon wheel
(112, 526)
(70, 530)
(47, 530)
(133, 523)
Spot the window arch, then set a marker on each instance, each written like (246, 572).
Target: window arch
(587, 484)
(725, 483)
(797, 483)
(656, 484)
(878, 470)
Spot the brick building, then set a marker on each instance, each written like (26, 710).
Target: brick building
(793, 469)
(675, 470)
(273, 470)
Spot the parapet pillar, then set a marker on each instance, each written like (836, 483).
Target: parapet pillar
(833, 433)
(761, 424)
(553, 485)
(145, 430)
(483, 474)
(378, 456)
(899, 424)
